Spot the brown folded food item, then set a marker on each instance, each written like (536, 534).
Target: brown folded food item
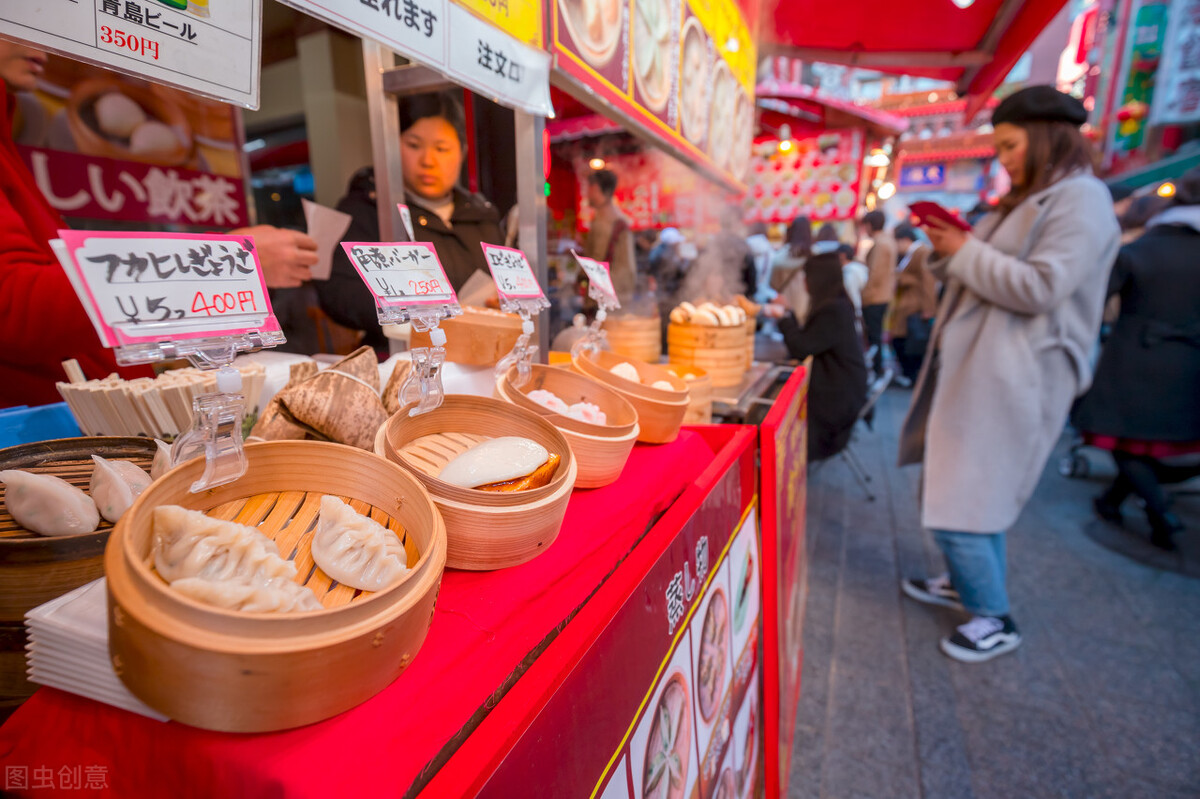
(539, 477)
(391, 393)
(340, 404)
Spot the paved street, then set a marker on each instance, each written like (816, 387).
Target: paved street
(1101, 700)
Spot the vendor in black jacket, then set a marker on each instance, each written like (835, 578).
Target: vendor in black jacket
(432, 148)
(838, 387)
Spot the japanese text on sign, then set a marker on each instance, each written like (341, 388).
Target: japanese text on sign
(214, 51)
(683, 585)
(140, 287)
(598, 276)
(513, 275)
(401, 274)
(1177, 93)
(414, 15)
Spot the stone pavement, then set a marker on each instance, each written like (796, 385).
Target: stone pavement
(1101, 700)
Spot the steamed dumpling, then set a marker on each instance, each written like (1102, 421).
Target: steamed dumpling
(587, 412)
(356, 550)
(115, 485)
(495, 461)
(162, 460)
(282, 596)
(118, 115)
(627, 371)
(48, 505)
(188, 543)
(548, 399)
(153, 138)
(662, 385)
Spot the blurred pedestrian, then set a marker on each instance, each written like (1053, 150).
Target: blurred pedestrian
(911, 319)
(761, 251)
(854, 275)
(1144, 405)
(1009, 353)
(881, 283)
(838, 387)
(787, 267)
(611, 236)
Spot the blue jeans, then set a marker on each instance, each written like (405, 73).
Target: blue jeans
(978, 569)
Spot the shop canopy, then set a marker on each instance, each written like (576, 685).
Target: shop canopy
(818, 111)
(976, 46)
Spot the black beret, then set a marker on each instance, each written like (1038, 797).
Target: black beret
(1040, 104)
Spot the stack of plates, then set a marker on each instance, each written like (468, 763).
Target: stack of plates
(68, 649)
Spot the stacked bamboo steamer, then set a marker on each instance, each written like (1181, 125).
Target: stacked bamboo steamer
(236, 671)
(485, 529)
(717, 339)
(601, 449)
(634, 336)
(700, 392)
(34, 568)
(660, 410)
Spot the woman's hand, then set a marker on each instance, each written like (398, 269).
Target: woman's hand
(286, 256)
(776, 308)
(947, 239)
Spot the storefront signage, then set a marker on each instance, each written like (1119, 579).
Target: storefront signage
(147, 287)
(521, 19)
(212, 51)
(784, 443)
(514, 276)
(1177, 93)
(683, 71)
(483, 57)
(401, 274)
(680, 714)
(1144, 50)
(819, 177)
(922, 176)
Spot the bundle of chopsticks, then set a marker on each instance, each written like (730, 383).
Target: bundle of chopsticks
(160, 407)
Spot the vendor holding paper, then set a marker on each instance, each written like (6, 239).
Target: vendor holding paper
(456, 222)
(43, 322)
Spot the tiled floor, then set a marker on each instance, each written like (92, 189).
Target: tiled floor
(1101, 700)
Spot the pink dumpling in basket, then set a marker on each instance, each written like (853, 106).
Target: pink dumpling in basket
(548, 399)
(587, 412)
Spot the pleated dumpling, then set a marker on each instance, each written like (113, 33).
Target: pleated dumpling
(162, 460)
(48, 505)
(115, 485)
(188, 543)
(355, 550)
(280, 596)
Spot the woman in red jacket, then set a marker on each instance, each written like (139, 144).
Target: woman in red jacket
(42, 322)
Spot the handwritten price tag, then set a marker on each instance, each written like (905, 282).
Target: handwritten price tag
(148, 287)
(514, 276)
(401, 274)
(598, 276)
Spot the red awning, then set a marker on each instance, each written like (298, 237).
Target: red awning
(945, 156)
(807, 103)
(569, 128)
(976, 46)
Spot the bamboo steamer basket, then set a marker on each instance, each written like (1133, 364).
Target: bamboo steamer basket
(255, 672)
(720, 351)
(751, 329)
(34, 568)
(485, 529)
(602, 450)
(700, 390)
(480, 337)
(635, 336)
(660, 413)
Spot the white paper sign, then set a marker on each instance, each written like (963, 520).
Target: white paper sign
(327, 227)
(598, 276)
(210, 48)
(148, 287)
(514, 276)
(1177, 89)
(481, 57)
(401, 274)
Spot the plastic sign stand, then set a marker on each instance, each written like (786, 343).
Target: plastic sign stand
(600, 289)
(156, 297)
(410, 286)
(519, 293)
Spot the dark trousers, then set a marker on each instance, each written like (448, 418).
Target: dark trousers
(873, 322)
(910, 362)
(1145, 476)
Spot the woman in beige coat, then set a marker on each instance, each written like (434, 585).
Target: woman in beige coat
(1009, 353)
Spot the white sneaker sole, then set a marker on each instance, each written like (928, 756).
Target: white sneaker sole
(927, 598)
(973, 656)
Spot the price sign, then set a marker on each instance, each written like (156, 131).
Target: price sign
(141, 288)
(406, 218)
(598, 276)
(401, 274)
(513, 275)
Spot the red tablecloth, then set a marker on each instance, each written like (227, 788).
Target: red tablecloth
(486, 624)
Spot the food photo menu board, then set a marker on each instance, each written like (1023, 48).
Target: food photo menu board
(684, 70)
(819, 177)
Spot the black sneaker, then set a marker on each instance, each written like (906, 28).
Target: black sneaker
(982, 638)
(933, 591)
